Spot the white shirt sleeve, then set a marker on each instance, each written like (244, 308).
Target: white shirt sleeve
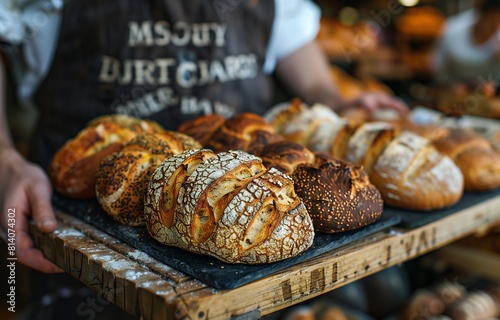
(35, 25)
(296, 23)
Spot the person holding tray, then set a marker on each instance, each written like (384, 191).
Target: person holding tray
(169, 61)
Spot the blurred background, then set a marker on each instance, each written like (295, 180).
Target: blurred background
(391, 45)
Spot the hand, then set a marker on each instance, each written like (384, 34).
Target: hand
(25, 188)
(373, 101)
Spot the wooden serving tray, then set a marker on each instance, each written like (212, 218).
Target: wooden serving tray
(150, 289)
(211, 271)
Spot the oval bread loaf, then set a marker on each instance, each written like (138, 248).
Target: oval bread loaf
(122, 177)
(228, 206)
(410, 173)
(474, 155)
(202, 128)
(72, 169)
(244, 131)
(338, 195)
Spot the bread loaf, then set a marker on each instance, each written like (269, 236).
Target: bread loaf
(202, 128)
(72, 169)
(242, 132)
(122, 177)
(478, 304)
(410, 173)
(338, 195)
(474, 155)
(226, 205)
(317, 128)
(368, 142)
(284, 156)
(404, 184)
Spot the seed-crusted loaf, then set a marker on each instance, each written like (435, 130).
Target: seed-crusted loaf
(122, 177)
(338, 195)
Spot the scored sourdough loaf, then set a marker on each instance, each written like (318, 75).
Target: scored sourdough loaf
(338, 195)
(122, 177)
(411, 173)
(226, 205)
(72, 169)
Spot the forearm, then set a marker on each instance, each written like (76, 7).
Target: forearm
(5, 138)
(306, 73)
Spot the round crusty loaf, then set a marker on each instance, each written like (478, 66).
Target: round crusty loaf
(244, 131)
(338, 195)
(122, 177)
(228, 206)
(72, 169)
(410, 173)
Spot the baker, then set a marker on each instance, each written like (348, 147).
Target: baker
(168, 61)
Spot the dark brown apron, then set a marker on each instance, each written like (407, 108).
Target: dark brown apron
(169, 60)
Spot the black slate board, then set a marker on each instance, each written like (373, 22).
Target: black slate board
(415, 219)
(211, 271)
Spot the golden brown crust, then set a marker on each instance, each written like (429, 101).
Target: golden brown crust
(280, 115)
(72, 169)
(243, 132)
(368, 142)
(412, 174)
(428, 131)
(284, 156)
(226, 205)
(122, 177)
(474, 155)
(458, 140)
(338, 195)
(202, 128)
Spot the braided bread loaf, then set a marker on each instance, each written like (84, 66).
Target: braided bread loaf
(407, 169)
(226, 205)
(72, 169)
(122, 177)
(338, 195)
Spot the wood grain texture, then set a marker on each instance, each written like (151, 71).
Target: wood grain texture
(149, 289)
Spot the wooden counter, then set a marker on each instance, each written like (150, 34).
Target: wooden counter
(152, 290)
